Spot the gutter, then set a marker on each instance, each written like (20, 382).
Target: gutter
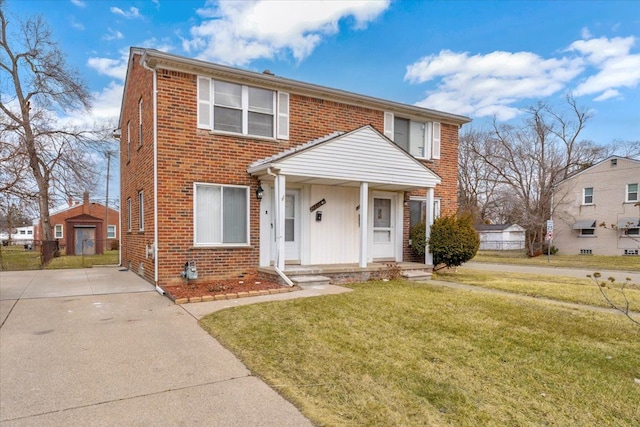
(143, 61)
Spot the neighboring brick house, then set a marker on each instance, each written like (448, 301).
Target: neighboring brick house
(597, 211)
(199, 141)
(79, 228)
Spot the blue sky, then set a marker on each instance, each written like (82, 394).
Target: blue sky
(475, 58)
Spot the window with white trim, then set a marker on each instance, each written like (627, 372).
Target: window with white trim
(129, 214)
(141, 210)
(140, 123)
(420, 139)
(241, 109)
(587, 232)
(221, 214)
(418, 211)
(57, 231)
(632, 193)
(111, 231)
(128, 141)
(587, 196)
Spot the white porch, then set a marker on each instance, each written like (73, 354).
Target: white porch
(338, 200)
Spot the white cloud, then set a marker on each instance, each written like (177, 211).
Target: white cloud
(238, 32)
(112, 35)
(133, 12)
(586, 34)
(79, 3)
(106, 109)
(616, 66)
(495, 83)
(77, 25)
(116, 68)
(484, 85)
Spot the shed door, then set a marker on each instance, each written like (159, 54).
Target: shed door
(85, 240)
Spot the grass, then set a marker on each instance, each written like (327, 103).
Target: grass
(595, 262)
(397, 353)
(76, 261)
(568, 289)
(15, 258)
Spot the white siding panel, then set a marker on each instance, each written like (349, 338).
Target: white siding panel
(359, 156)
(334, 240)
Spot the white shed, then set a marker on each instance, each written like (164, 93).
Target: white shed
(501, 237)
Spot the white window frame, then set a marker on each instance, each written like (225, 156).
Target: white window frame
(57, 235)
(431, 145)
(111, 235)
(141, 210)
(140, 122)
(195, 212)
(423, 202)
(129, 214)
(628, 199)
(584, 196)
(206, 106)
(591, 233)
(128, 141)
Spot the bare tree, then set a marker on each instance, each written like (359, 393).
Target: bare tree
(37, 85)
(527, 161)
(478, 183)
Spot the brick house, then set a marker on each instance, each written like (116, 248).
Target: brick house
(597, 210)
(246, 173)
(80, 227)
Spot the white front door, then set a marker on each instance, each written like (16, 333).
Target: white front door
(384, 228)
(292, 226)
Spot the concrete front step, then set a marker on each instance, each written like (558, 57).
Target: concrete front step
(416, 275)
(305, 281)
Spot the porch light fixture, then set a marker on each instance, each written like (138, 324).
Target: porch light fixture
(259, 192)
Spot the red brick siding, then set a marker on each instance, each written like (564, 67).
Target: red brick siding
(187, 155)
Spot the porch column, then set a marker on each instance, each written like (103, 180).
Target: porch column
(364, 223)
(428, 257)
(280, 192)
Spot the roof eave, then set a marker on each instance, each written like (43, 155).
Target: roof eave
(156, 59)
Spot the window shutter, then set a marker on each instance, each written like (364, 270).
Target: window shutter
(436, 140)
(283, 116)
(204, 103)
(388, 125)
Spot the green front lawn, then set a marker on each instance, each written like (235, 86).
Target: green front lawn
(561, 288)
(398, 353)
(593, 262)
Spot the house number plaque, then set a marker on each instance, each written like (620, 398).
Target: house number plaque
(317, 205)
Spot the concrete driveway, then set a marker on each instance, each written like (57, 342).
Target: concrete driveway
(100, 347)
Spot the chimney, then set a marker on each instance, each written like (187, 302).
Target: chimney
(85, 202)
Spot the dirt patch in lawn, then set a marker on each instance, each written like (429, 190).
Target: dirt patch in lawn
(223, 289)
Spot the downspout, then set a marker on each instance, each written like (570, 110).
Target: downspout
(276, 197)
(155, 172)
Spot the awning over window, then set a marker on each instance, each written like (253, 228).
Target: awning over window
(581, 224)
(628, 223)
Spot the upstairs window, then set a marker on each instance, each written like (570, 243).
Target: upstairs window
(140, 123)
(128, 141)
(244, 110)
(587, 196)
(632, 193)
(420, 139)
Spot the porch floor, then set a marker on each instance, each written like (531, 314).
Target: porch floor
(350, 273)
